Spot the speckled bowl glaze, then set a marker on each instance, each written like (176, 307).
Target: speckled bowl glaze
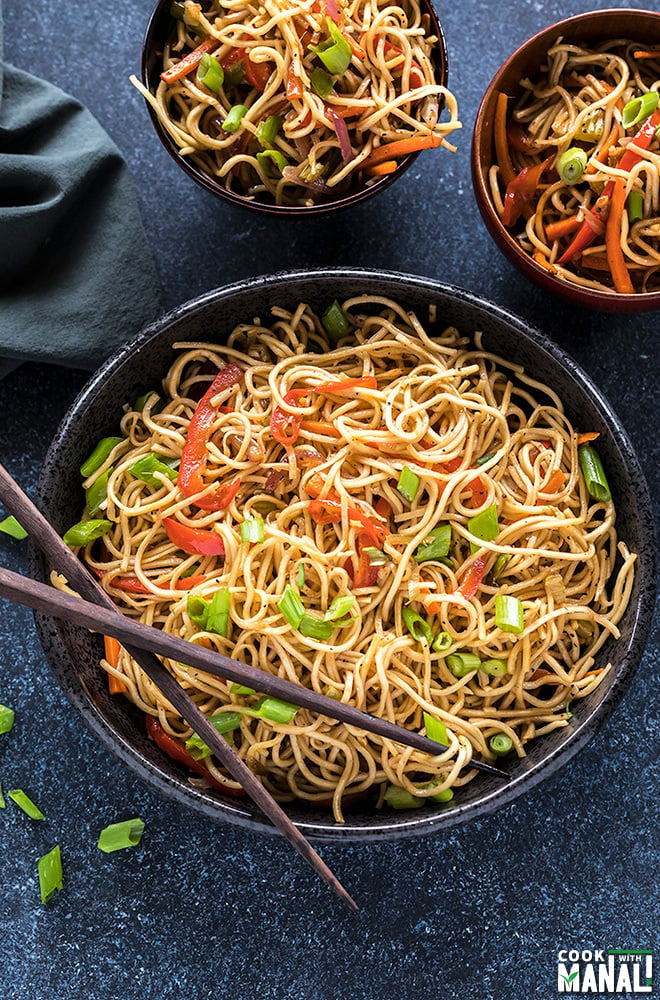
(592, 28)
(74, 654)
(152, 48)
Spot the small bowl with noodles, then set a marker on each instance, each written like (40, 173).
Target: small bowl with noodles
(297, 106)
(566, 159)
(386, 489)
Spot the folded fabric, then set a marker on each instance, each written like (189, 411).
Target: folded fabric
(76, 275)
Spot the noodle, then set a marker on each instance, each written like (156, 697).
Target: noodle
(299, 142)
(580, 103)
(341, 521)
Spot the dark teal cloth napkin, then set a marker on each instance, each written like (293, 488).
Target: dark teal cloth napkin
(77, 278)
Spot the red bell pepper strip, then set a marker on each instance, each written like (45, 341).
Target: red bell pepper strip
(173, 749)
(133, 585)
(294, 87)
(521, 190)
(330, 512)
(586, 235)
(364, 382)
(194, 455)
(472, 579)
(190, 61)
(285, 426)
(194, 541)
(256, 74)
(112, 648)
(366, 573)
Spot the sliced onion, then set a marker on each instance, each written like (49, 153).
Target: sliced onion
(307, 454)
(430, 110)
(292, 174)
(303, 145)
(332, 9)
(341, 129)
(273, 479)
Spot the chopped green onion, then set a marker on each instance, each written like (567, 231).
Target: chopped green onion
(117, 836)
(484, 525)
(272, 161)
(335, 53)
(268, 129)
(50, 874)
(571, 165)
(18, 796)
(7, 716)
(500, 564)
(594, 474)
(301, 576)
(332, 692)
(10, 526)
(435, 545)
(314, 628)
(146, 467)
(141, 402)
(3, 804)
(401, 798)
(252, 530)
(198, 610)
(500, 744)
(339, 607)
(241, 689)
(276, 710)
(408, 483)
(291, 606)
(567, 709)
(322, 82)
(462, 664)
(234, 75)
(376, 556)
(635, 206)
(494, 668)
(97, 493)
(211, 73)
(99, 455)
(436, 729)
(223, 722)
(335, 321)
(419, 629)
(217, 618)
(235, 116)
(191, 571)
(446, 795)
(485, 458)
(442, 641)
(639, 109)
(509, 613)
(86, 531)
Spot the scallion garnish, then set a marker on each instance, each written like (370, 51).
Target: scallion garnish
(419, 629)
(509, 613)
(291, 606)
(322, 82)
(376, 556)
(198, 610)
(217, 618)
(635, 206)
(446, 795)
(99, 455)
(10, 526)
(6, 719)
(339, 608)
(141, 402)
(639, 109)
(97, 493)
(461, 664)
(235, 116)
(272, 161)
(211, 73)
(276, 710)
(252, 530)
(500, 564)
(25, 803)
(435, 545)
(301, 576)
(500, 744)
(117, 836)
(241, 689)
(335, 321)
(571, 165)
(436, 729)
(314, 628)
(484, 525)
(401, 798)
(442, 641)
(408, 484)
(494, 667)
(50, 874)
(267, 130)
(3, 804)
(85, 532)
(594, 474)
(335, 53)
(223, 722)
(485, 458)
(146, 466)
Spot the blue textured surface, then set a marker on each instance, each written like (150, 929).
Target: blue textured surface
(201, 910)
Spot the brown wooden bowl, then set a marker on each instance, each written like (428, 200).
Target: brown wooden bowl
(591, 28)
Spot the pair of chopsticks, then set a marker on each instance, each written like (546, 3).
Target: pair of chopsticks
(96, 611)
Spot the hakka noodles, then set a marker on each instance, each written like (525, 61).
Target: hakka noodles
(296, 102)
(399, 520)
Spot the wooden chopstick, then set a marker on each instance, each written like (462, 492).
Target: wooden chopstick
(53, 602)
(81, 580)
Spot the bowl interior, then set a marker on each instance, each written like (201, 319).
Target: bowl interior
(139, 366)
(156, 35)
(591, 28)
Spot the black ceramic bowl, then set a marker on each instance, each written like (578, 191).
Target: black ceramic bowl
(157, 32)
(74, 654)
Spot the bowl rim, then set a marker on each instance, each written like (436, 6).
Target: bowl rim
(212, 186)
(416, 825)
(589, 298)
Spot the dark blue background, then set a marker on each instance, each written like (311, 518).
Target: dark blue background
(201, 910)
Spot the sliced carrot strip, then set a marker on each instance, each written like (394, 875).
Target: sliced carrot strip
(112, 647)
(564, 227)
(382, 169)
(620, 275)
(555, 482)
(319, 427)
(541, 259)
(189, 62)
(501, 142)
(402, 147)
(589, 436)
